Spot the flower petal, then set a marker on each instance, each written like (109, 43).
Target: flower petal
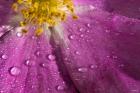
(103, 53)
(129, 8)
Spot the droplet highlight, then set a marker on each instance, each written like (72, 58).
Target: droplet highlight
(4, 56)
(19, 34)
(60, 88)
(71, 37)
(82, 69)
(51, 57)
(15, 71)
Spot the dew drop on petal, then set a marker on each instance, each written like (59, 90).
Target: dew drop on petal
(88, 25)
(91, 7)
(93, 66)
(82, 35)
(71, 37)
(29, 62)
(107, 31)
(15, 71)
(4, 56)
(19, 34)
(1, 33)
(115, 57)
(60, 88)
(51, 57)
(37, 53)
(82, 69)
(44, 65)
(77, 53)
(81, 29)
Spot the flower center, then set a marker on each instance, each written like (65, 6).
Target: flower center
(42, 12)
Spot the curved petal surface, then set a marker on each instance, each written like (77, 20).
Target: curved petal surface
(103, 53)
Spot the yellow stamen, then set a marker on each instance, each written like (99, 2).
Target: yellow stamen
(40, 12)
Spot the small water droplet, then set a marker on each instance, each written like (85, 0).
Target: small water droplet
(88, 25)
(4, 56)
(77, 53)
(81, 29)
(93, 66)
(107, 31)
(29, 62)
(37, 53)
(51, 57)
(91, 7)
(71, 37)
(44, 65)
(82, 69)
(60, 88)
(87, 31)
(82, 35)
(19, 34)
(15, 71)
(1, 33)
(115, 57)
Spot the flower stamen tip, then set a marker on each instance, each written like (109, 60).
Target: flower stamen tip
(41, 12)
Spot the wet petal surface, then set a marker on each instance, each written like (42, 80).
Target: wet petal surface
(103, 53)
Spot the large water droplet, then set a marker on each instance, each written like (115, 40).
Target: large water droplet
(82, 69)
(15, 71)
(51, 57)
(4, 56)
(60, 88)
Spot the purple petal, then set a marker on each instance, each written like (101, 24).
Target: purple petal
(103, 53)
(129, 8)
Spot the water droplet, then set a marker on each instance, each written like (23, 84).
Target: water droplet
(51, 57)
(37, 53)
(15, 71)
(29, 62)
(71, 37)
(88, 25)
(19, 34)
(4, 56)
(91, 7)
(87, 31)
(115, 57)
(81, 29)
(60, 88)
(93, 66)
(77, 53)
(82, 69)
(67, 48)
(82, 35)
(107, 31)
(1, 33)
(44, 65)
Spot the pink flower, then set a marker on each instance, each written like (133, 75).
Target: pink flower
(96, 53)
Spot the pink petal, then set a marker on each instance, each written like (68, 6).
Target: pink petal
(103, 53)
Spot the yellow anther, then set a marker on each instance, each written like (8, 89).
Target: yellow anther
(40, 12)
(22, 23)
(24, 31)
(38, 32)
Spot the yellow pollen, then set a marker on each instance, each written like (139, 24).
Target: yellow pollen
(41, 12)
